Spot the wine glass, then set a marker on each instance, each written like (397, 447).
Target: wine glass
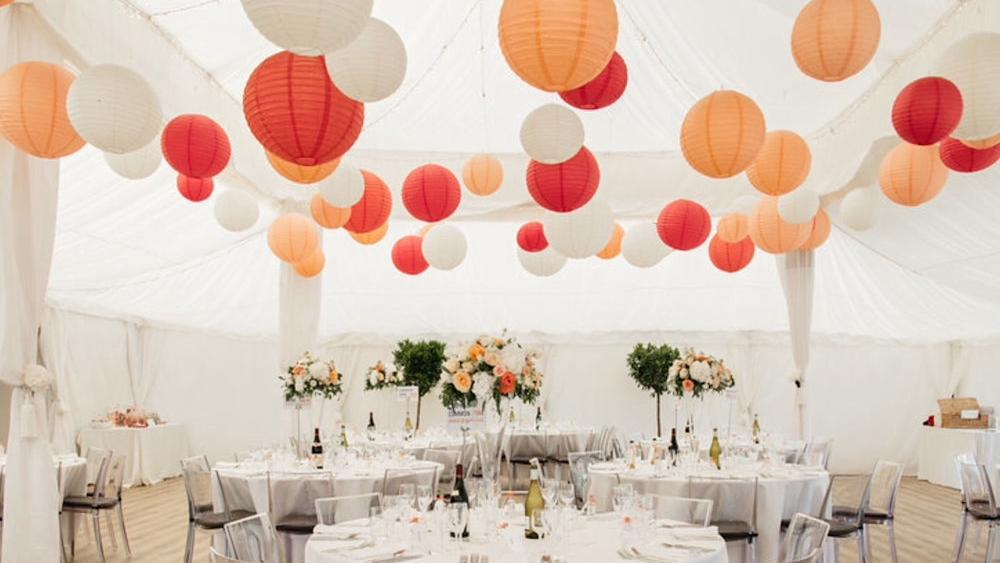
(424, 497)
(408, 492)
(458, 519)
(376, 524)
(540, 521)
(566, 495)
(550, 490)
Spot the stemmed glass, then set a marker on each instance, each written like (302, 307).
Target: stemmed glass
(408, 492)
(550, 490)
(621, 496)
(566, 494)
(458, 519)
(540, 522)
(424, 497)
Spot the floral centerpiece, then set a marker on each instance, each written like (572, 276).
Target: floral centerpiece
(132, 417)
(311, 376)
(696, 373)
(496, 367)
(382, 375)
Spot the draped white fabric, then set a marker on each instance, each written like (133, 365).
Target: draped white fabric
(797, 272)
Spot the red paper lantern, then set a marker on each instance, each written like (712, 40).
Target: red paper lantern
(297, 113)
(195, 146)
(531, 237)
(730, 256)
(927, 110)
(684, 225)
(603, 90)
(960, 157)
(431, 193)
(195, 189)
(565, 186)
(372, 211)
(408, 255)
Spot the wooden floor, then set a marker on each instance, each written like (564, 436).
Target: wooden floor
(927, 517)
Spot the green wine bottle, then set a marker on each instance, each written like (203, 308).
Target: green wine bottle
(715, 451)
(535, 501)
(756, 429)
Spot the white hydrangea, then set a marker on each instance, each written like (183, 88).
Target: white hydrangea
(513, 357)
(701, 371)
(36, 377)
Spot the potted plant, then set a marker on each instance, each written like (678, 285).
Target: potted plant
(649, 365)
(421, 363)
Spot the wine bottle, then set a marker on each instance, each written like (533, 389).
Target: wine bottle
(715, 450)
(316, 454)
(674, 448)
(535, 501)
(371, 426)
(343, 437)
(408, 426)
(756, 429)
(459, 494)
(538, 418)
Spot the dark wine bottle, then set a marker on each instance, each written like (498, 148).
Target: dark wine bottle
(459, 494)
(538, 418)
(317, 450)
(371, 426)
(674, 447)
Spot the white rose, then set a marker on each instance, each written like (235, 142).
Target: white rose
(672, 372)
(319, 370)
(373, 378)
(36, 377)
(300, 385)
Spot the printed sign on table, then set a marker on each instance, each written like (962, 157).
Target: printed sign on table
(465, 418)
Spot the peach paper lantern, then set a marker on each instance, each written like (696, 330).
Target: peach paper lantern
(482, 174)
(733, 227)
(722, 134)
(558, 45)
(773, 234)
(6, 3)
(782, 164)
(293, 237)
(614, 246)
(730, 257)
(326, 215)
(912, 175)
(33, 113)
(819, 233)
(299, 173)
(835, 39)
(371, 237)
(312, 265)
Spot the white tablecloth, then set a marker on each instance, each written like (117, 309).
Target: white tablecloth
(548, 444)
(74, 474)
(152, 454)
(938, 447)
(782, 493)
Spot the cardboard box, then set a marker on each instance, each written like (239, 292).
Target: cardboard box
(951, 413)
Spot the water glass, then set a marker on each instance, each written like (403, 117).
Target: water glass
(566, 495)
(424, 497)
(550, 490)
(407, 492)
(458, 519)
(376, 524)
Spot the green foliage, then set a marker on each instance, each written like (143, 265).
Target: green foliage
(421, 363)
(648, 365)
(451, 397)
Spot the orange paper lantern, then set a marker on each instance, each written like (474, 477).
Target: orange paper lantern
(733, 227)
(33, 110)
(374, 208)
(371, 237)
(835, 39)
(302, 174)
(614, 246)
(311, 265)
(782, 164)
(819, 233)
(722, 134)
(482, 174)
(773, 234)
(6, 3)
(912, 175)
(293, 237)
(328, 216)
(730, 256)
(558, 45)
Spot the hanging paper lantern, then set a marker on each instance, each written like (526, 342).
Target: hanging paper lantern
(614, 246)
(373, 210)
(960, 157)
(927, 110)
(566, 186)
(733, 227)
(912, 175)
(531, 237)
(293, 237)
(782, 164)
(236, 210)
(371, 237)
(136, 165)
(860, 208)
(642, 246)
(372, 67)
(835, 39)
(722, 134)
(973, 65)
(407, 255)
(114, 109)
(581, 233)
(326, 215)
(730, 256)
(558, 45)
(482, 174)
(552, 134)
(603, 90)
(820, 231)
(195, 146)
(312, 265)
(543, 263)
(302, 174)
(345, 187)
(431, 193)
(444, 247)
(195, 189)
(799, 206)
(309, 27)
(33, 110)
(982, 143)
(297, 113)
(683, 224)
(773, 234)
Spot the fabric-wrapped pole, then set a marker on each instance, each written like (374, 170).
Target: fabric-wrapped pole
(797, 272)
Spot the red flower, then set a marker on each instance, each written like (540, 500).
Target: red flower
(688, 385)
(508, 382)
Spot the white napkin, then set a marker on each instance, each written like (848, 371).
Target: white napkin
(351, 526)
(384, 550)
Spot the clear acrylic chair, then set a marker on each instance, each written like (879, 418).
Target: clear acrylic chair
(446, 476)
(804, 539)
(980, 506)
(198, 479)
(335, 510)
(820, 448)
(695, 511)
(254, 540)
(579, 473)
(106, 496)
(848, 526)
(216, 557)
(394, 478)
(97, 459)
(741, 529)
(291, 500)
(881, 510)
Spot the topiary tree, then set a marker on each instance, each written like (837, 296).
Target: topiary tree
(421, 363)
(649, 365)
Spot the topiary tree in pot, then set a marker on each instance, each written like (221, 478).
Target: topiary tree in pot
(421, 363)
(648, 365)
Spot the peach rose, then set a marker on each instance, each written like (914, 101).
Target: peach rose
(298, 371)
(508, 383)
(462, 382)
(491, 358)
(476, 352)
(334, 376)
(688, 385)
(499, 370)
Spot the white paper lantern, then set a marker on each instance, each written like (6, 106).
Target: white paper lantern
(309, 27)
(136, 165)
(444, 247)
(642, 246)
(581, 233)
(552, 134)
(799, 206)
(373, 66)
(543, 263)
(973, 64)
(236, 210)
(345, 187)
(114, 109)
(860, 207)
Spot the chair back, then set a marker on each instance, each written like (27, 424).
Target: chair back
(335, 510)
(730, 497)
(112, 485)
(217, 557)
(818, 450)
(688, 510)
(295, 494)
(579, 472)
(885, 481)
(197, 484)
(254, 540)
(804, 539)
(960, 460)
(396, 477)
(978, 490)
(490, 450)
(858, 517)
(446, 477)
(96, 458)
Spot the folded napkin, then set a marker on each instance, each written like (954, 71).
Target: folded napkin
(709, 533)
(351, 526)
(226, 464)
(386, 550)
